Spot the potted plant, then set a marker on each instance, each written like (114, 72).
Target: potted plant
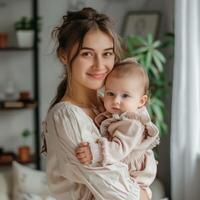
(148, 53)
(24, 150)
(25, 27)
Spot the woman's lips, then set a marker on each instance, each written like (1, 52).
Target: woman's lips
(97, 76)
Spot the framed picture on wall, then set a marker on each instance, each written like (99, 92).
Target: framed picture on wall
(141, 23)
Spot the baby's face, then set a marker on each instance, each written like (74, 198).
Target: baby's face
(123, 95)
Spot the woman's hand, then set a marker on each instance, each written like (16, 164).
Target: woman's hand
(143, 195)
(83, 153)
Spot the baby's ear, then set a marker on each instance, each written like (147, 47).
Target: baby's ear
(143, 101)
(63, 56)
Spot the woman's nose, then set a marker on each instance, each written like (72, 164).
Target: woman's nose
(98, 63)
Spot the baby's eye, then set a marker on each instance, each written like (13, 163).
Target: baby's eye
(110, 94)
(125, 95)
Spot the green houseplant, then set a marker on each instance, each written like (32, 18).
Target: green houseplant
(25, 134)
(25, 27)
(24, 23)
(148, 53)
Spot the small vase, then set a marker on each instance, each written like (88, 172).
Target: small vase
(10, 90)
(3, 40)
(24, 154)
(25, 38)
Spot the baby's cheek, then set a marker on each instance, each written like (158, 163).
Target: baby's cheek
(107, 104)
(130, 106)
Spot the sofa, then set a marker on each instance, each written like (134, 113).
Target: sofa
(24, 183)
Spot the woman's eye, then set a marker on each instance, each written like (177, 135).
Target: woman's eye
(86, 54)
(107, 54)
(125, 95)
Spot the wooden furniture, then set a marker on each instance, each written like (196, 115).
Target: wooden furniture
(33, 104)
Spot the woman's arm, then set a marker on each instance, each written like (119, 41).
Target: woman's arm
(68, 129)
(126, 135)
(145, 169)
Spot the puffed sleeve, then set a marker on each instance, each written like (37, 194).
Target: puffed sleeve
(69, 128)
(145, 169)
(127, 134)
(131, 132)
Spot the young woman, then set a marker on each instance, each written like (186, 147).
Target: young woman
(88, 48)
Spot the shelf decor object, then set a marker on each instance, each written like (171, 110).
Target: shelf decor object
(25, 30)
(18, 104)
(3, 39)
(141, 23)
(25, 38)
(24, 150)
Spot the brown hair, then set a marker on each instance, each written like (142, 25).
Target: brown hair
(130, 67)
(72, 31)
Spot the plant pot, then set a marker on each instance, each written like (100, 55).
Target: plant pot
(24, 153)
(3, 40)
(25, 38)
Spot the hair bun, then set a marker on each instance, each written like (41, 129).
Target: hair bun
(85, 14)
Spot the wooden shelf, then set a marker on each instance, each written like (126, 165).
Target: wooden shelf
(15, 158)
(16, 105)
(16, 49)
(34, 104)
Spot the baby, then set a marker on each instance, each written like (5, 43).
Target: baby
(128, 133)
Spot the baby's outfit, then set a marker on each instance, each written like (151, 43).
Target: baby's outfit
(130, 138)
(65, 126)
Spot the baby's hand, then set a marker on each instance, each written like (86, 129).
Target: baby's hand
(83, 153)
(110, 136)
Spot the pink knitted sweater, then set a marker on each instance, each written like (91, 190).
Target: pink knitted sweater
(130, 138)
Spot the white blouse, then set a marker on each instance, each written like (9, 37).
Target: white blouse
(67, 125)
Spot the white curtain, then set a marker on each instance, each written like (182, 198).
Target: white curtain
(185, 130)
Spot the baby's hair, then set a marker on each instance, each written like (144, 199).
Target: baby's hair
(129, 67)
(72, 31)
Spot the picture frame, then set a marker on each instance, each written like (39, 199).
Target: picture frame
(141, 23)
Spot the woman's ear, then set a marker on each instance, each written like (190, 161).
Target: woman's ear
(63, 56)
(143, 101)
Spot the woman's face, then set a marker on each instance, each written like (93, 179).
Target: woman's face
(94, 61)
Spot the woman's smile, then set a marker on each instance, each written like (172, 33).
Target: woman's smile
(98, 76)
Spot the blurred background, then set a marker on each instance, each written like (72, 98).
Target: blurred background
(30, 73)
